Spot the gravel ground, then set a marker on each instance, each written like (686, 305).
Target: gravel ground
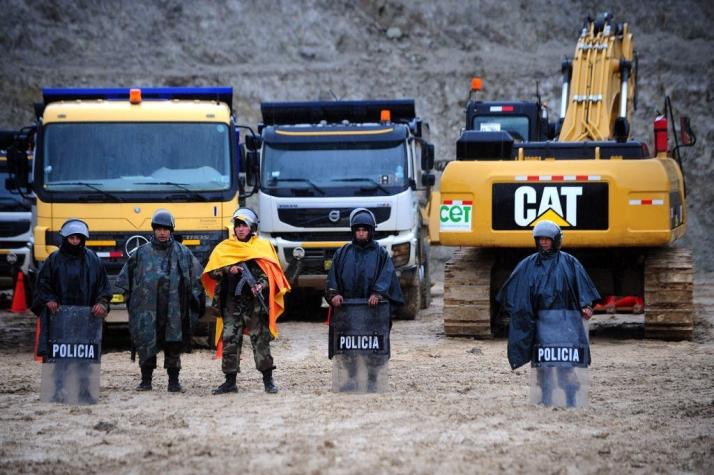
(454, 406)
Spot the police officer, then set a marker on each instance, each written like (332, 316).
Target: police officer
(74, 275)
(248, 285)
(547, 296)
(165, 299)
(362, 269)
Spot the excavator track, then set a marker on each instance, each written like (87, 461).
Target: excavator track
(669, 299)
(467, 293)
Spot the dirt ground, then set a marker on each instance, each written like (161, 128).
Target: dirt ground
(454, 406)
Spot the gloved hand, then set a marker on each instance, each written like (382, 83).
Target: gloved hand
(337, 300)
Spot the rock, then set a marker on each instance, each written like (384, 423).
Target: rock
(394, 33)
(105, 426)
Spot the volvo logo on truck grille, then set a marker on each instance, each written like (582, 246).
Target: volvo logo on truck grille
(519, 206)
(334, 215)
(134, 243)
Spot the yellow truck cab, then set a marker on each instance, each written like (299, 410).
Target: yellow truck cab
(114, 156)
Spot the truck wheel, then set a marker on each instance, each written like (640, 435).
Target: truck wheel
(211, 339)
(304, 304)
(412, 299)
(425, 279)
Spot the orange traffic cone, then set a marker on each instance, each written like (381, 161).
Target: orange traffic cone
(19, 302)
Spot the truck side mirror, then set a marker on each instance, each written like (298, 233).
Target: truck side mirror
(441, 165)
(427, 179)
(17, 166)
(253, 142)
(427, 156)
(686, 133)
(252, 169)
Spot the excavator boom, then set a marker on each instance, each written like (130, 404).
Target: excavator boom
(599, 94)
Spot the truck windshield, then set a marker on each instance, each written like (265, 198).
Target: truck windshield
(329, 169)
(517, 126)
(126, 157)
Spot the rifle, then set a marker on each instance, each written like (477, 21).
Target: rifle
(248, 278)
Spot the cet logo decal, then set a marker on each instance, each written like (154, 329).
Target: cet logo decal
(455, 215)
(554, 203)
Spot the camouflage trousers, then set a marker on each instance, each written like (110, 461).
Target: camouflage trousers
(172, 357)
(252, 319)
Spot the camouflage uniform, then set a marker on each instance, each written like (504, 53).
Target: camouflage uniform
(243, 312)
(161, 282)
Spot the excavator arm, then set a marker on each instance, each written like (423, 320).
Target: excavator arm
(599, 83)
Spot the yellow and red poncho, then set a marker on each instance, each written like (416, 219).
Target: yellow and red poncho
(230, 251)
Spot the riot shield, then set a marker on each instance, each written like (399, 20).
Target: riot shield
(359, 347)
(559, 369)
(71, 367)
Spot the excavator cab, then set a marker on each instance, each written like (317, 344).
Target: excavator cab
(494, 129)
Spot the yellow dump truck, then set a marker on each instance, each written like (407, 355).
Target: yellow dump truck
(114, 156)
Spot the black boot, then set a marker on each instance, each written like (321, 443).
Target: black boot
(146, 375)
(372, 381)
(174, 385)
(270, 386)
(85, 395)
(571, 395)
(229, 386)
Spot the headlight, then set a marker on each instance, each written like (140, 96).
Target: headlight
(400, 254)
(298, 253)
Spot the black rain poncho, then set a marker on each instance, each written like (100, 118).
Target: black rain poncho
(358, 271)
(543, 298)
(73, 275)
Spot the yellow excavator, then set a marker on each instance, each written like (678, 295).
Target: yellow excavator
(620, 207)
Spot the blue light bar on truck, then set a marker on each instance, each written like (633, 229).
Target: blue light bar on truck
(219, 94)
(313, 112)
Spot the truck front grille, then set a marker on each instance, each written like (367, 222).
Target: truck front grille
(14, 228)
(326, 217)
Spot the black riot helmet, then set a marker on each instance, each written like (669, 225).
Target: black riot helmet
(550, 230)
(163, 218)
(360, 217)
(74, 226)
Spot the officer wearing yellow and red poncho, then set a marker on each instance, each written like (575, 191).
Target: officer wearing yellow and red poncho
(239, 304)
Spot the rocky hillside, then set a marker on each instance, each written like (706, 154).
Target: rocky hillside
(275, 50)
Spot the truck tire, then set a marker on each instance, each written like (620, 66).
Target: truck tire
(211, 338)
(424, 277)
(411, 293)
(304, 304)
(411, 303)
